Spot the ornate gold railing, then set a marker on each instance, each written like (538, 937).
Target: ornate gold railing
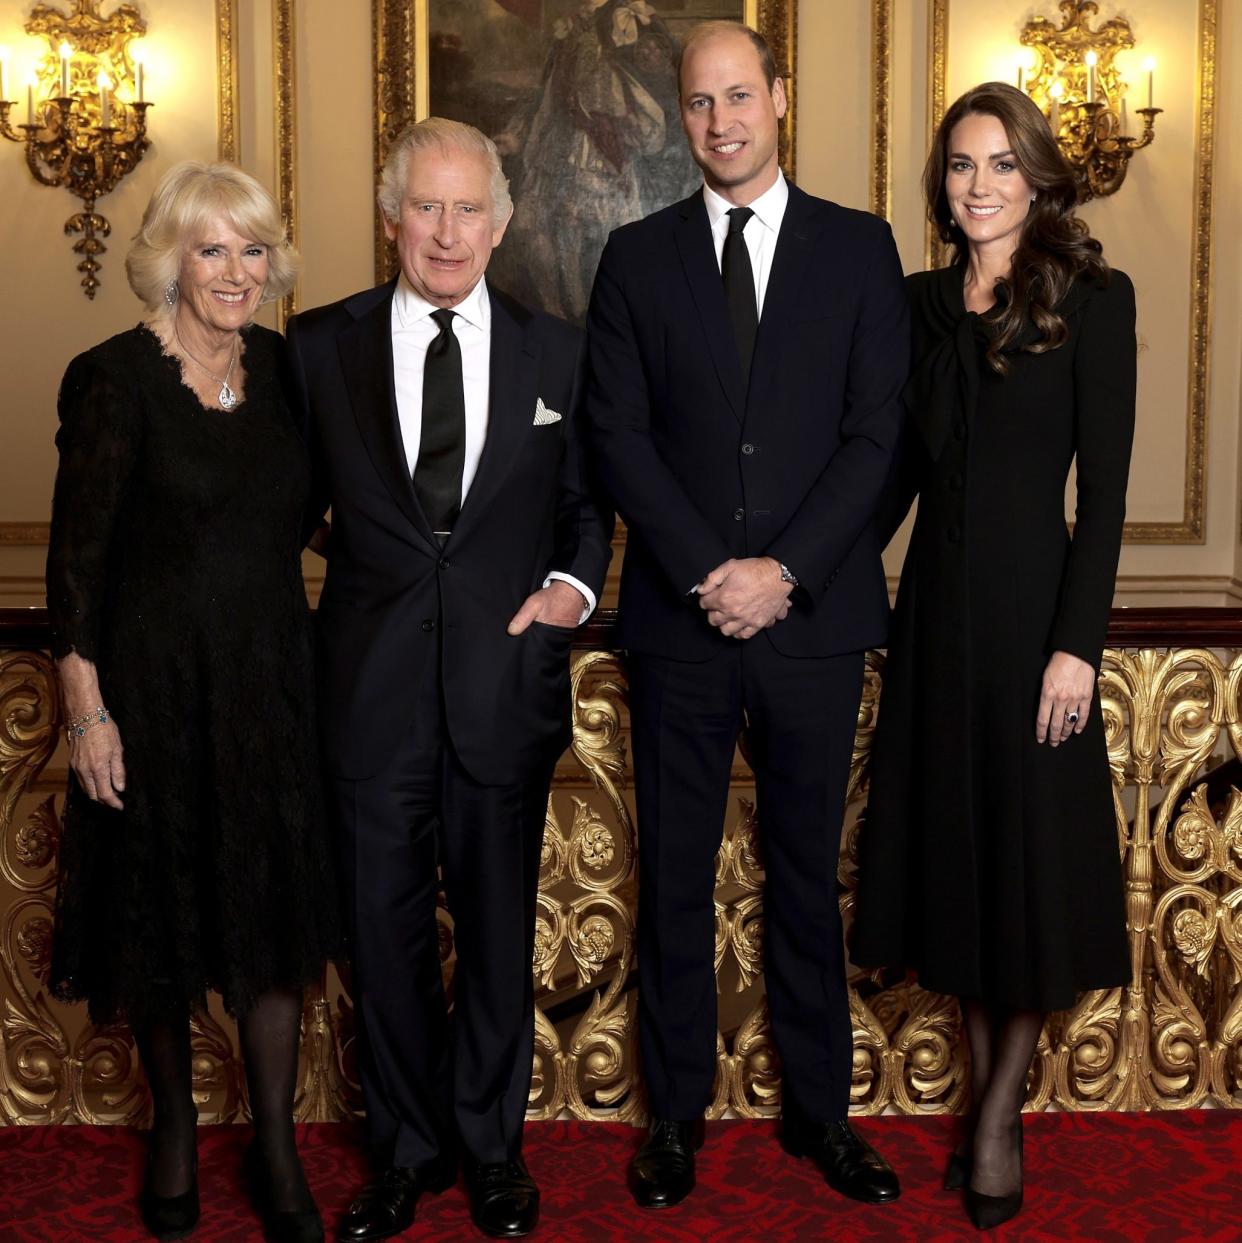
(1173, 1039)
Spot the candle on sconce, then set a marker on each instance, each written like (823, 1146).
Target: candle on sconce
(1055, 91)
(4, 72)
(105, 100)
(65, 53)
(31, 83)
(1149, 66)
(1092, 59)
(139, 58)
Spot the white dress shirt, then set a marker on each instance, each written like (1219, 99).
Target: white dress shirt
(413, 331)
(760, 233)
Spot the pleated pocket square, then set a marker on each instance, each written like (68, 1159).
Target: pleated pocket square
(544, 416)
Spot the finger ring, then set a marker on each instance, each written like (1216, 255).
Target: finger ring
(1072, 717)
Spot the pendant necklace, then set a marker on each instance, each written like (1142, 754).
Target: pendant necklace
(227, 398)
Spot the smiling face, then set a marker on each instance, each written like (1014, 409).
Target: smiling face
(222, 276)
(987, 193)
(730, 116)
(445, 232)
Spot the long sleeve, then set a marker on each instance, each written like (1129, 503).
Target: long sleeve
(647, 493)
(843, 500)
(293, 375)
(1105, 365)
(584, 522)
(99, 441)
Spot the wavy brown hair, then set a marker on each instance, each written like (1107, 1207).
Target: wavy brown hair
(1055, 247)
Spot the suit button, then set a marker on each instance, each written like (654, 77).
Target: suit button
(444, 565)
(954, 534)
(955, 482)
(748, 449)
(959, 430)
(429, 626)
(738, 515)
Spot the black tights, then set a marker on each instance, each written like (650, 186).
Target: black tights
(269, 1044)
(1002, 1044)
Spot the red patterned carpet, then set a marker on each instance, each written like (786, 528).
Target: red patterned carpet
(1124, 1177)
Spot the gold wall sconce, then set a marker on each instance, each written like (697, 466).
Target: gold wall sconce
(86, 113)
(1071, 73)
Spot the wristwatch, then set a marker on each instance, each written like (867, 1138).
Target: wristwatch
(787, 575)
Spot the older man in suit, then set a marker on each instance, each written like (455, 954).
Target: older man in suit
(747, 349)
(465, 548)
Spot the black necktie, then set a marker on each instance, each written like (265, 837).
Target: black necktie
(739, 286)
(442, 449)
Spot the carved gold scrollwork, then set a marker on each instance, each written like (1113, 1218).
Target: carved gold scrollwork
(1171, 1038)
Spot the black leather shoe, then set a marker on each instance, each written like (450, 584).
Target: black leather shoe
(662, 1171)
(386, 1205)
(279, 1225)
(504, 1200)
(848, 1163)
(169, 1217)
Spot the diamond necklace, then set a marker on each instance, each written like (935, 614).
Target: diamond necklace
(227, 398)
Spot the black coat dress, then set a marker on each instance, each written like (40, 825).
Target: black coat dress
(174, 567)
(990, 863)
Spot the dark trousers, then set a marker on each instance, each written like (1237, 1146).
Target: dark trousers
(800, 717)
(430, 1084)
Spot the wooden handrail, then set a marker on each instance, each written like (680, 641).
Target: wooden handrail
(1127, 627)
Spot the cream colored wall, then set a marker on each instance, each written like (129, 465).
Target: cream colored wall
(1145, 228)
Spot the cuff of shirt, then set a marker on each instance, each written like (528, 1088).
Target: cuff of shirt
(583, 590)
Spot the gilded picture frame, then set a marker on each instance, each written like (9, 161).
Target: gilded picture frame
(407, 71)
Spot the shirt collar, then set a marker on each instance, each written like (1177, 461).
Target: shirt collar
(769, 207)
(474, 308)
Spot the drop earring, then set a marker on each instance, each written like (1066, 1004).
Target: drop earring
(171, 292)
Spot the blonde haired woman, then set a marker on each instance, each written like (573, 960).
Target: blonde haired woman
(195, 854)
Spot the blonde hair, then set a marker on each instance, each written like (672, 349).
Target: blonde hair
(190, 195)
(445, 135)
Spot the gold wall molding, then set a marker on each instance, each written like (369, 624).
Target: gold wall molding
(881, 196)
(227, 91)
(400, 32)
(934, 251)
(284, 86)
(1171, 1039)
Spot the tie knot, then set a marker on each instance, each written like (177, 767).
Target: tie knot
(738, 216)
(443, 319)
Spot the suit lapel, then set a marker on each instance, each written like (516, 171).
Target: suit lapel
(365, 349)
(790, 264)
(513, 380)
(698, 257)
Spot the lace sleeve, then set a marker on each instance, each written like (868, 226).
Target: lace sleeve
(98, 441)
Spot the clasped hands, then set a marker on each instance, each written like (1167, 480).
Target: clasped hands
(744, 596)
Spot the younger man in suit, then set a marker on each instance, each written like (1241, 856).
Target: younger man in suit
(465, 548)
(747, 350)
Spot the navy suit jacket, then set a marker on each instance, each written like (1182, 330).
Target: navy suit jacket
(393, 595)
(703, 469)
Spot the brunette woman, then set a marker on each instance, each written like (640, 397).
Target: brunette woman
(989, 860)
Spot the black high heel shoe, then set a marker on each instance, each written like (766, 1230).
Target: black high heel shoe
(279, 1225)
(957, 1172)
(988, 1212)
(169, 1217)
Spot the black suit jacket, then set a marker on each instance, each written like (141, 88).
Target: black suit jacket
(702, 469)
(392, 594)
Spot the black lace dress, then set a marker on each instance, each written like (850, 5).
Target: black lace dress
(174, 567)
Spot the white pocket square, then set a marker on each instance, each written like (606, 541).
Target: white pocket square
(544, 416)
